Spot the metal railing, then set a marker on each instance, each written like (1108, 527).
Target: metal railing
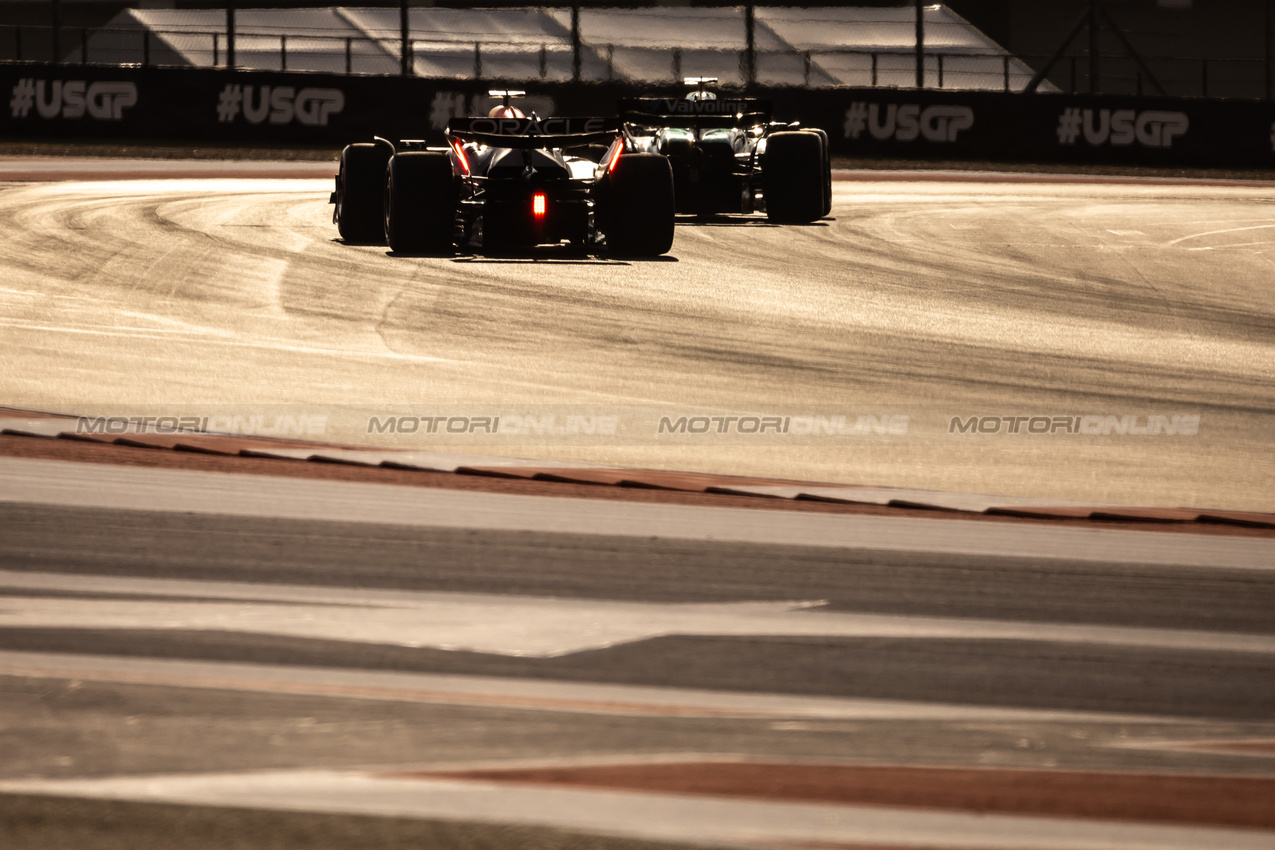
(1236, 77)
(491, 59)
(488, 60)
(197, 48)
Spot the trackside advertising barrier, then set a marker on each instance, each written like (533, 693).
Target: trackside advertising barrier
(255, 107)
(1051, 128)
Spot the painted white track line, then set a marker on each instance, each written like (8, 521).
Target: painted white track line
(523, 626)
(86, 485)
(40, 168)
(682, 818)
(519, 693)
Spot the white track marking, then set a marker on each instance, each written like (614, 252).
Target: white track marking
(653, 816)
(75, 167)
(520, 693)
(186, 186)
(130, 488)
(524, 626)
(209, 337)
(1238, 245)
(1219, 232)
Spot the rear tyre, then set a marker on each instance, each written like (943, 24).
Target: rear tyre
(360, 181)
(636, 206)
(793, 177)
(827, 169)
(420, 203)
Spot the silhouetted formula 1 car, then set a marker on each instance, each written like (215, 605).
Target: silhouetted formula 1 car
(508, 184)
(729, 157)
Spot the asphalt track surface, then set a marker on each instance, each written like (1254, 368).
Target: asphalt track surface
(208, 659)
(932, 298)
(182, 653)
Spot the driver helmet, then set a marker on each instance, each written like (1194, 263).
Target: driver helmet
(505, 112)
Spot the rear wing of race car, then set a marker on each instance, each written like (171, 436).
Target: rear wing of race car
(536, 133)
(741, 112)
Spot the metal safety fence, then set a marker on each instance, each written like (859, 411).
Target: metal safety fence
(486, 60)
(455, 56)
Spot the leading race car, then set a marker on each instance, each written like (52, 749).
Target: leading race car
(508, 183)
(728, 156)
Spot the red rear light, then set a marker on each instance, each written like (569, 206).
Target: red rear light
(615, 157)
(538, 205)
(461, 158)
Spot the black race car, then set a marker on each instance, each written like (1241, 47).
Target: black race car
(508, 183)
(728, 156)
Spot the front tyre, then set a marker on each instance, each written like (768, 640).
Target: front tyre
(358, 203)
(636, 206)
(793, 177)
(420, 203)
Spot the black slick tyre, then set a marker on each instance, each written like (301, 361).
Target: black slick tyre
(827, 169)
(420, 203)
(793, 177)
(360, 181)
(636, 206)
